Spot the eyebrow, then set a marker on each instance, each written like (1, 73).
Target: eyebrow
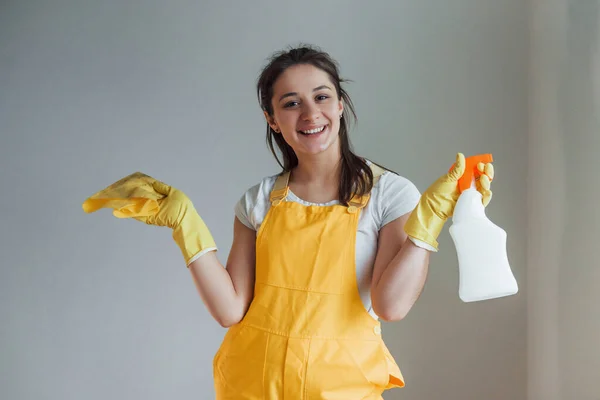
(290, 94)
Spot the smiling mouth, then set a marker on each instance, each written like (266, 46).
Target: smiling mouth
(313, 131)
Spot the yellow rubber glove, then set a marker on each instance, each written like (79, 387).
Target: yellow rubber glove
(130, 196)
(483, 182)
(438, 201)
(172, 209)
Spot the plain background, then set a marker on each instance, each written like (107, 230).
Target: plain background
(95, 307)
(564, 215)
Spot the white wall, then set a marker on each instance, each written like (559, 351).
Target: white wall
(564, 218)
(94, 307)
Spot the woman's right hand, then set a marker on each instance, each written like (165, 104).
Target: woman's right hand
(177, 212)
(148, 200)
(173, 205)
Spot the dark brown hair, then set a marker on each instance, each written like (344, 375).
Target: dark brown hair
(356, 176)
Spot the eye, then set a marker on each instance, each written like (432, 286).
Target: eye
(322, 97)
(290, 104)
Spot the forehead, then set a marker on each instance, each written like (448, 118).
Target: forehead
(301, 78)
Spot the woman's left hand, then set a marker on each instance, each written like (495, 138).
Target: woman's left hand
(438, 201)
(484, 181)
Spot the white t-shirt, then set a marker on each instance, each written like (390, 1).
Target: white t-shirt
(391, 197)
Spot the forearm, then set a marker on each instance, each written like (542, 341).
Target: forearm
(217, 290)
(401, 282)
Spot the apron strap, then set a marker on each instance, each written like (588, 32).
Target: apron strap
(280, 189)
(360, 202)
(377, 172)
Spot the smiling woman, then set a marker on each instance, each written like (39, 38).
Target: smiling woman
(321, 252)
(312, 113)
(332, 249)
(300, 92)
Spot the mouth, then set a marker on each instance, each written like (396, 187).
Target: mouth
(314, 132)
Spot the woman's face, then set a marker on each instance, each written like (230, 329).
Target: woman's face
(306, 110)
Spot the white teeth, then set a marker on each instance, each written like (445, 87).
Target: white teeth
(312, 131)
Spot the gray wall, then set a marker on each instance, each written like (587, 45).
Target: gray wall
(564, 218)
(94, 307)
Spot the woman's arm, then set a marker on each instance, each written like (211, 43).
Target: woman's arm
(399, 273)
(401, 266)
(227, 291)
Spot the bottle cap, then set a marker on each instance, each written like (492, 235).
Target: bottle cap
(471, 170)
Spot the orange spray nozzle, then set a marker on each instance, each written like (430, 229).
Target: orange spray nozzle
(471, 170)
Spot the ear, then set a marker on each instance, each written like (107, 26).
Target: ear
(271, 121)
(341, 107)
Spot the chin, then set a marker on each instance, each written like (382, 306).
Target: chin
(320, 145)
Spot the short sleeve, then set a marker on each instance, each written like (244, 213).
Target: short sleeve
(397, 197)
(245, 206)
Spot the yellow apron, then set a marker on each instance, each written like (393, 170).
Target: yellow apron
(307, 334)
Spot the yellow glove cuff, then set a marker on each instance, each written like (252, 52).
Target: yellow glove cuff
(424, 225)
(193, 237)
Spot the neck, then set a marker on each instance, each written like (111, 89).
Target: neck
(321, 169)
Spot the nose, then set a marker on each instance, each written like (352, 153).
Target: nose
(310, 112)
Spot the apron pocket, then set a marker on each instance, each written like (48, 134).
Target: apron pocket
(240, 362)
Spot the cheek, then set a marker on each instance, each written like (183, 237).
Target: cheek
(334, 114)
(286, 121)
(335, 121)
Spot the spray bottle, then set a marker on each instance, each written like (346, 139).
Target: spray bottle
(484, 270)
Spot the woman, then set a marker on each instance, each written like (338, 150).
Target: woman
(321, 252)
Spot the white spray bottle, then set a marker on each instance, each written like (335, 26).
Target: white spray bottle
(484, 270)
